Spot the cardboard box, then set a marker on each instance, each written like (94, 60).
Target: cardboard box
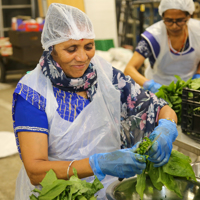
(25, 39)
(27, 54)
(5, 46)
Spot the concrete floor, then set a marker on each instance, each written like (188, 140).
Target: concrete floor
(9, 166)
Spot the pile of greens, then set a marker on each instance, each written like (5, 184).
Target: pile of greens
(177, 166)
(73, 189)
(173, 93)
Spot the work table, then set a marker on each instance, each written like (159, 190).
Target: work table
(186, 143)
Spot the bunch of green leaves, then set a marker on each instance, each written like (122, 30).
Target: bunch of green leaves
(177, 166)
(173, 93)
(72, 189)
(194, 84)
(143, 146)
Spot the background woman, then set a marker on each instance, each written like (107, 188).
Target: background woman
(172, 46)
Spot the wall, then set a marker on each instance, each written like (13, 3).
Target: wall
(101, 12)
(76, 3)
(103, 16)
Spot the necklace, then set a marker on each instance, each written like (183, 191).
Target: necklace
(180, 52)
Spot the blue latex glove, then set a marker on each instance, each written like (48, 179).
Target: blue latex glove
(151, 86)
(122, 163)
(161, 149)
(196, 76)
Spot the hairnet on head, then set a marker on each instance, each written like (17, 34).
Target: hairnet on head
(184, 5)
(62, 23)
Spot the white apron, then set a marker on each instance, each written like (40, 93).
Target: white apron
(95, 130)
(167, 64)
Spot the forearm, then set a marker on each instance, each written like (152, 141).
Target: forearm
(135, 75)
(167, 112)
(198, 69)
(133, 66)
(36, 170)
(34, 151)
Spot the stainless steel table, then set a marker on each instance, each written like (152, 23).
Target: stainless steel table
(186, 143)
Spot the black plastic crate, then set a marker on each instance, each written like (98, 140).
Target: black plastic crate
(190, 119)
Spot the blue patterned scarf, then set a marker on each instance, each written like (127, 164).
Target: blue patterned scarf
(52, 70)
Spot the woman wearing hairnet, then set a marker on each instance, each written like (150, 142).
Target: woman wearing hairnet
(172, 46)
(75, 110)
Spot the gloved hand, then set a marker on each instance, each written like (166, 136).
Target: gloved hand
(196, 76)
(122, 163)
(161, 149)
(151, 86)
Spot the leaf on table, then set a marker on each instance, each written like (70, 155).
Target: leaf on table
(179, 165)
(195, 84)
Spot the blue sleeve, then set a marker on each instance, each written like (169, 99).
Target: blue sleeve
(29, 118)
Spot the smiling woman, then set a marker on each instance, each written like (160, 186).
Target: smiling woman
(76, 110)
(74, 56)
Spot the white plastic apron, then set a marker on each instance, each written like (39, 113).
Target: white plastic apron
(95, 130)
(167, 64)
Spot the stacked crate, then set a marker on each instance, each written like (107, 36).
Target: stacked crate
(190, 122)
(27, 46)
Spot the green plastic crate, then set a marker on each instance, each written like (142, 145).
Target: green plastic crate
(104, 45)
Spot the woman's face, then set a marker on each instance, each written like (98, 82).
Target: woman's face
(74, 56)
(177, 16)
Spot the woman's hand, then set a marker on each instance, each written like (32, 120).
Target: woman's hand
(151, 86)
(160, 151)
(122, 163)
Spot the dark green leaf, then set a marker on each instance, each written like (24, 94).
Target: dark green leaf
(179, 165)
(154, 175)
(169, 182)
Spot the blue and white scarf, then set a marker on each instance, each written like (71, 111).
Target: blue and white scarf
(52, 70)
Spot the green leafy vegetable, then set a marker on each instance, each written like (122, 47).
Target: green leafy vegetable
(173, 93)
(141, 184)
(143, 146)
(177, 166)
(73, 189)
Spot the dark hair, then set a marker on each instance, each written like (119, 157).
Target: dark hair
(186, 13)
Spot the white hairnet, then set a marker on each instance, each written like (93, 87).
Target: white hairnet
(184, 5)
(63, 22)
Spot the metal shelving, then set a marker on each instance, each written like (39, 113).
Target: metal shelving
(132, 21)
(12, 7)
